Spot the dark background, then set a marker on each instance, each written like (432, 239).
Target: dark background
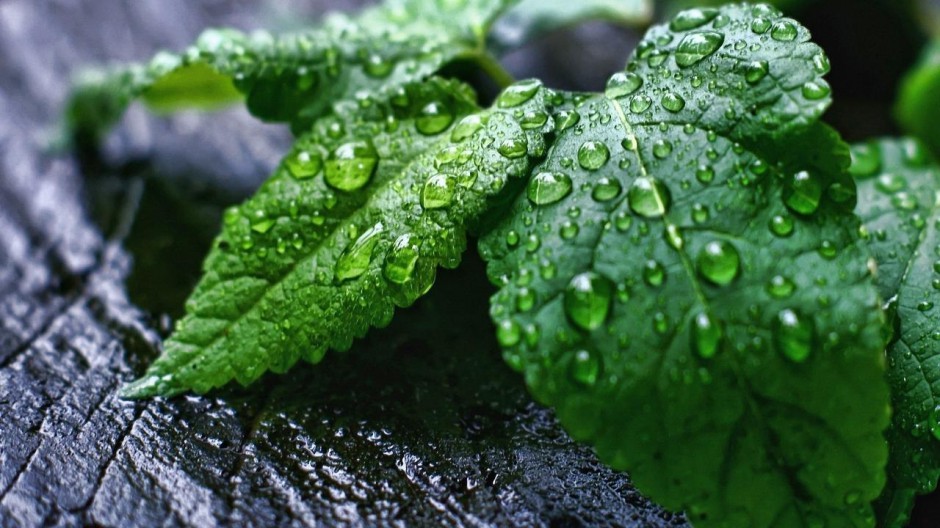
(420, 424)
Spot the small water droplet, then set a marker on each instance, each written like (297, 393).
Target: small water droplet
(815, 90)
(649, 197)
(780, 287)
(548, 187)
(640, 103)
(466, 127)
(606, 189)
(760, 25)
(593, 155)
(622, 84)
(672, 102)
(781, 225)
(303, 164)
(585, 368)
(513, 148)
(518, 93)
(793, 335)
(662, 148)
(351, 165)
(401, 259)
(704, 174)
(434, 118)
(695, 47)
(784, 31)
(719, 262)
(755, 71)
(508, 333)
(438, 191)
(377, 66)
(803, 193)
(654, 273)
(587, 300)
(706, 336)
(355, 259)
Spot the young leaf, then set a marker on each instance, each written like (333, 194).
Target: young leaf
(919, 96)
(530, 18)
(897, 186)
(355, 221)
(682, 281)
(295, 77)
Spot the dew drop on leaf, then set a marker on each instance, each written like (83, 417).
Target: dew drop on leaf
(755, 71)
(518, 93)
(593, 155)
(303, 164)
(438, 191)
(719, 262)
(648, 197)
(548, 187)
(692, 18)
(355, 259)
(672, 102)
(512, 148)
(585, 368)
(351, 165)
(781, 226)
(706, 335)
(815, 90)
(803, 193)
(508, 333)
(587, 300)
(784, 31)
(780, 287)
(606, 189)
(623, 83)
(793, 335)
(434, 118)
(662, 148)
(654, 273)
(465, 128)
(695, 47)
(401, 259)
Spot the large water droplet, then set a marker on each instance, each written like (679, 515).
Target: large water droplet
(784, 31)
(548, 187)
(606, 189)
(719, 262)
(351, 165)
(695, 47)
(593, 155)
(513, 148)
(434, 118)
(401, 259)
(706, 336)
(781, 225)
(672, 102)
(303, 164)
(438, 191)
(508, 333)
(692, 18)
(815, 90)
(585, 368)
(648, 197)
(623, 83)
(803, 193)
(662, 148)
(518, 93)
(466, 127)
(755, 71)
(355, 259)
(793, 335)
(587, 300)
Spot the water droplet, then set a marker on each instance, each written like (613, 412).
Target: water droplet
(377, 66)
(434, 118)
(438, 191)
(593, 155)
(662, 148)
(654, 273)
(401, 259)
(261, 224)
(924, 306)
(673, 237)
(692, 18)
(760, 25)
(803, 193)
(466, 127)
(548, 187)
(660, 323)
(303, 164)
(518, 93)
(890, 183)
(606, 189)
(533, 119)
(782, 226)
(705, 174)
(780, 287)
(649, 197)
(699, 213)
(508, 333)
(904, 201)
(566, 119)
(623, 83)
(513, 148)
(706, 336)
(585, 368)
(587, 300)
(672, 102)
(695, 47)
(355, 259)
(525, 299)
(719, 262)
(793, 335)
(934, 422)
(569, 230)
(351, 165)
(640, 103)
(815, 90)
(755, 71)
(784, 31)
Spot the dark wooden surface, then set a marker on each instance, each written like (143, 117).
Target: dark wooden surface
(420, 424)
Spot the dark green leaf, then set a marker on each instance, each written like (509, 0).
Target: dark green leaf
(295, 77)
(682, 280)
(355, 221)
(898, 185)
(919, 99)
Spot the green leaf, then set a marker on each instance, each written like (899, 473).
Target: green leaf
(354, 222)
(898, 186)
(682, 280)
(529, 19)
(295, 77)
(919, 98)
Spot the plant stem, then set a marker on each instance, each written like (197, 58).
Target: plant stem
(494, 69)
